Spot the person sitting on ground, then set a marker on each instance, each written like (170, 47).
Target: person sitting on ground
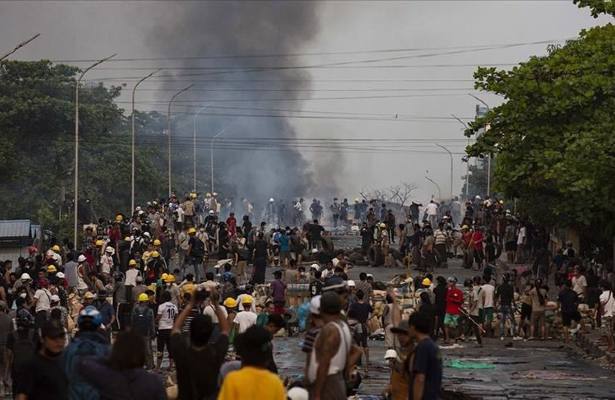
(253, 346)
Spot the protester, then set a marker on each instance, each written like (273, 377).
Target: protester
(197, 361)
(426, 367)
(121, 376)
(253, 379)
(45, 378)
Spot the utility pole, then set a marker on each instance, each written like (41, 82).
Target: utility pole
(486, 129)
(465, 126)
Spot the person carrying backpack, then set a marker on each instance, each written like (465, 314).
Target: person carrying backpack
(142, 323)
(87, 342)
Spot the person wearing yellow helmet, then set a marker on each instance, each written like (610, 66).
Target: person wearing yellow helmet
(154, 267)
(157, 243)
(142, 323)
(196, 253)
(56, 248)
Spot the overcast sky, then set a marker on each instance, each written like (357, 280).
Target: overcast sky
(84, 30)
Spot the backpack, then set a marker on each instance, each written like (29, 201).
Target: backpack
(141, 321)
(82, 347)
(198, 248)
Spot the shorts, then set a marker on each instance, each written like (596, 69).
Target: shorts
(538, 316)
(451, 320)
(487, 314)
(607, 325)
(568, 317)
(164, 339)
(361, 336)
(526, 311)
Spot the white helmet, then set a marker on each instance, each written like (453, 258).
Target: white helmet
(81, 258)
(315, 266)
(271, 200)
(351, 283)
(25, 277)
(298, 393)
(390, 354)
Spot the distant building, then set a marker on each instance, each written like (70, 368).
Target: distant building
(16, 236)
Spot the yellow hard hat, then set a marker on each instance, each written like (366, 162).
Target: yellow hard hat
(247, 299)
(426, 282)
(155, 254)
(100, 242)
(164, 276)
(383, 225)
(465, 227)
(119, 218)
(55, 248)
(52, 268)
(230, 302)
(143, 298)
(88, 295)
(193, 195)
(170, 278)
(157, 242)
(132, 262)
(191, 231)
(127, 239)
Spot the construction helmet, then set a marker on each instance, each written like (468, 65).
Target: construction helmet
(132, 262)
(157, 242)
(55, 248)
(230, 302)
(191, 231)
(143, 298)
(426, 282)
(52, 268)
(164, 276)
(119, 218)
(170, 278)
(155, 254)
(100, 242)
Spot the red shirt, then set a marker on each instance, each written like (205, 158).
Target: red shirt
(467, 237)
(477, 238)
(454, 300)
(231, 222)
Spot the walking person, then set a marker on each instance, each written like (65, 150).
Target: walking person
(426, 366)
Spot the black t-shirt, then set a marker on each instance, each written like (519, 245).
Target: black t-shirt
(506, 294)
(315, 287)
(427, 361)
(359, 311)
(197, 371)
(260, 249)
(569, 300)
(315, 231)
(46, 379)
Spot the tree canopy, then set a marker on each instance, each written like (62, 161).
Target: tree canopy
(37, 156)
(553, 135)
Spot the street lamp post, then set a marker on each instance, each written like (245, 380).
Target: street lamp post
(451, 156)
(489, 158)
(169, 128)
(465, 126)
(19, 46)
(211, 156)
(437, 187)
(194, 147)
(132, 176)
(76, 200)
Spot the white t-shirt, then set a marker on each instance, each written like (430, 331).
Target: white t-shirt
(245, 319)
(180, 214)
(487, 293)
(131, 277)
(167, 312)
(431, 209)
(607, 300)
(521, 235)
(579, 284)
(43, 300)
(209, 310)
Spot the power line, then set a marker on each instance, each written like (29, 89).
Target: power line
(322, 53)
(233, 90)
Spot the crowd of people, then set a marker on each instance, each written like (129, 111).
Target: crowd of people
(172, 302)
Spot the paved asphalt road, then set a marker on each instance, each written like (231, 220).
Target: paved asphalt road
(527, 370)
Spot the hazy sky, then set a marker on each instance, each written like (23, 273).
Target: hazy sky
(84, 30)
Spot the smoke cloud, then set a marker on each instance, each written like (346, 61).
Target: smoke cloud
(243, 28)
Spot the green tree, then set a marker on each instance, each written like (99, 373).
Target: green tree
(553, 135)
(37, 156)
